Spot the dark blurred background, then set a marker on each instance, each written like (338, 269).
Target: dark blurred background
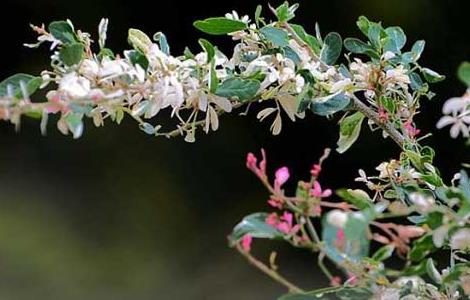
(121, 215)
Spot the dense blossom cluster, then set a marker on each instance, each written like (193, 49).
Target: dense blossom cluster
(407, 209)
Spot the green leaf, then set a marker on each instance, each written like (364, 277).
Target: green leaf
(331, 49)
(309, 39)
(464, 73)
(432, 76)
(318, 294)
(137, 58)
(291, 54)
(383, 253)
(417, 49)
(63, 31)
(432, 271)
(285, 13)
(256, 226)
(214, 81)
(374, 35)
(464, 185)
(139, 40)
(219, 25)
(354, 293)
(421, 248)
(242, 89)
(75, 124)
(340, 292)
(416, 83)
(209, 48)
(147, 128)
(358, 198)
(363, 24)
(160, 37)
(354, 244)
(330, 104)
(350, 128)
(276, 36)
(357, 46)
(396, 39)
(258, 11)
(72, 54)
(106, 52)
(13, 84)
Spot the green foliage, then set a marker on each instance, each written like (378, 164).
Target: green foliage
(357, 197)
(139, 40)
(331, 49)
(219, 25)
(350, 128)
(330, 104)
(285, 12)
(13, 85)
(255, 225)
(395, 40)
(276, 36)
(72, 54)
(160, 37)
(432, 76)
(63, 31)
(241, 89)
(208, 48)
(464, 73)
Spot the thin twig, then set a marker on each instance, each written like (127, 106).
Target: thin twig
(270, 272)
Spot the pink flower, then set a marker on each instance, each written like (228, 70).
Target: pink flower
(315, 171)
(288, 217)
(251, 164)
(317, 191)
(281, 177)
(277, 203)
(335, 281)
(284, 223)
(316, 211)
(410, 129)
(383, 114)
(272, 219)
(246, 242)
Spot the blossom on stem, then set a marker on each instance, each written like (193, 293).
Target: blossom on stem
(410, 129)
(276, 203)
(281, 177)
(246, 242)
(317, 191)
(284, 224)
(252, 164)
(315, 171)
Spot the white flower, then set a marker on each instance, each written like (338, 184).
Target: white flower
(89, 68)
(397, 75)
(112, 68)
(461, 239)
(384, 170)
(459, 125)
(423, 203)
(299, 83)
(234, 16)
(340, 85)
(456, 104)
(388, 55)
(337, 218)
(75, 86)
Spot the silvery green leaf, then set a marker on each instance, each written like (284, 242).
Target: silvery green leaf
(219, 25)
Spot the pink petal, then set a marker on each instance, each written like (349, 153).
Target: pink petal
(246, 242)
